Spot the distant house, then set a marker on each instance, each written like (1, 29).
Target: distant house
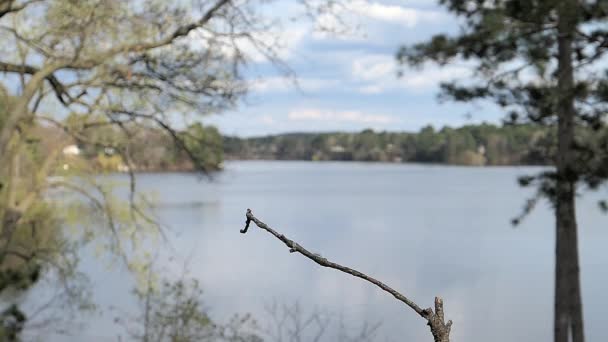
(109, 151)
(71, 150)
(338, 152)
(337, 149)
(122, 168)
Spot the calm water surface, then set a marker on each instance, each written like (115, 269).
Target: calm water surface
(424, 230)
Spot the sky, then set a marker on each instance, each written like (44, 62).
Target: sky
(348, 82)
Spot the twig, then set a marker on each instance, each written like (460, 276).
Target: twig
(435, 320)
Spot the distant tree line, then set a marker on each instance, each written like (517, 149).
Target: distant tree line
(150, 148)
(483, 144)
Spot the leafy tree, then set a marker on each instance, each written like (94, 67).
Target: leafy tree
(31, 239)
(205, 144)
(430, 145)
(115, 69)
(542, 62)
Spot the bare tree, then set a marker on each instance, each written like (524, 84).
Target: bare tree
(292, 323)
(440, 329)
(174, 310)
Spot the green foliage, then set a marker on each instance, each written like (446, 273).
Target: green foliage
(514, 46)
(145, 147)
(19, 278)
(45, 194)
(205, 145)
(12, 320)
(483, 144)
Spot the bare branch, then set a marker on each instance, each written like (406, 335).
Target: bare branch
(435, 320)
(295, 247)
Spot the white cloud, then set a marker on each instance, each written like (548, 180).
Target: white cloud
(283, 84)
(393, 13)
(339, 116)
(378, 73)
(374, 67)
(270, 84)
(359, 19)
(432, 75)
(286, 41)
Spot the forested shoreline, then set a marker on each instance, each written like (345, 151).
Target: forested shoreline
(473, 145)
(476, 145)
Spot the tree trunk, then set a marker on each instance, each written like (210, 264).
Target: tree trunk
(568, 304)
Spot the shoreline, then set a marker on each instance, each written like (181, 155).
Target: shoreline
(223, 168)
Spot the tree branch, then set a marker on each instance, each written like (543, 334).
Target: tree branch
(439, 328)
(58, 87)
(20, 108)
(179, 32)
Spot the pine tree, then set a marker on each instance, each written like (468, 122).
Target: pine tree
(541, 61)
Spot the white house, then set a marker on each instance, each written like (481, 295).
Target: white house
(71, 150)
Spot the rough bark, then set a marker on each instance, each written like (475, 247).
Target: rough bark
(440, 329)
(568, 304)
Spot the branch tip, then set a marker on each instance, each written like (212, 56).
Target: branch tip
(248, 215)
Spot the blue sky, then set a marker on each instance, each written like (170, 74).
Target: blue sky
(348, 82)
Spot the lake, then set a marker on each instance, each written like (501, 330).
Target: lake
(423, 230)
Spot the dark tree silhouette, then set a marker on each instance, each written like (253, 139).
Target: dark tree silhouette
(541, 61)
